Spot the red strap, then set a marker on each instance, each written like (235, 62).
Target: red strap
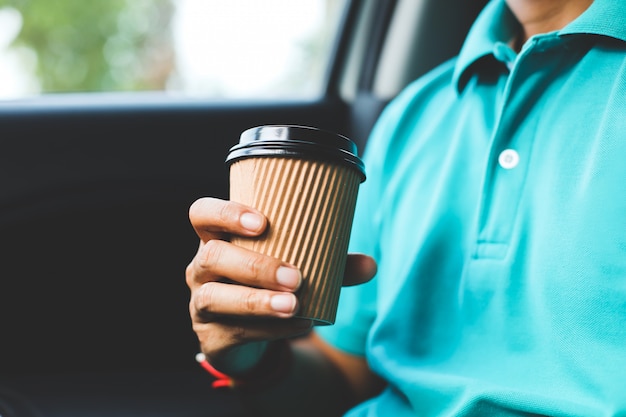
(273, 366)
(221, 379)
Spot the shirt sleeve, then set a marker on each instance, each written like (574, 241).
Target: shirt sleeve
(357, 310)
(357, 304)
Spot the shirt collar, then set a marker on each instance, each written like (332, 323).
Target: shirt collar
(496, 24)
(603, 17)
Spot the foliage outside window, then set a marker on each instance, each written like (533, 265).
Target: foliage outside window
(137, 45)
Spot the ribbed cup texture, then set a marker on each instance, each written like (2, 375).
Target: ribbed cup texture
(310, 207)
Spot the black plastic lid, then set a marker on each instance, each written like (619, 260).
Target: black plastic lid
(296, 141)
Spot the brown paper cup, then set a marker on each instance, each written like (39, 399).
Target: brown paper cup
(306, 182)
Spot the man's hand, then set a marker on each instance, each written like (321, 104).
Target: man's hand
(239, 296)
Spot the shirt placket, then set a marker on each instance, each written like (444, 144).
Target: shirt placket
(510, 153)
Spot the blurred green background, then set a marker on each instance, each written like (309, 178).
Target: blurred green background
(111, 45)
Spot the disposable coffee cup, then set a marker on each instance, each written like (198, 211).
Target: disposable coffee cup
(305, 180)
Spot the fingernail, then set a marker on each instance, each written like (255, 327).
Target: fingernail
(283, 303)
(251, 221)
(288, 277)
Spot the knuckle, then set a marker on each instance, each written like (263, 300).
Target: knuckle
(228, 213)
(255, 265)
(204, 298)
(190, 275)
(250, 301)
(210, 254)
(198, 208)
(213, 212)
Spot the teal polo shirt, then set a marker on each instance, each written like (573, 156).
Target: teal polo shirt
(495, 206)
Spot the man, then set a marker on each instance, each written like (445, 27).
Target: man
(495, 215)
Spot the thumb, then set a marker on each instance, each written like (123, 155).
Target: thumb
(359, 269)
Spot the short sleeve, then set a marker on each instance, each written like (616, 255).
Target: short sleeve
(357, 304)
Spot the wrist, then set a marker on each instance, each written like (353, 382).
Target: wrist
(240, 360)
(273, 364)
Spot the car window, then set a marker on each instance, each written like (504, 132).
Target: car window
(235, 49)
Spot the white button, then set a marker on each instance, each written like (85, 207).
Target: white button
(508, 159)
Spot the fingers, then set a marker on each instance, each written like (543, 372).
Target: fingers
(218, 259)
(222, 299)
(359, 269)
(240, 296)
(211, 218)
(227, 315)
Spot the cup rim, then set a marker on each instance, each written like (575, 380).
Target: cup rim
(294, 141)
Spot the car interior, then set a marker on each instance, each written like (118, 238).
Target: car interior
(94, 233)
